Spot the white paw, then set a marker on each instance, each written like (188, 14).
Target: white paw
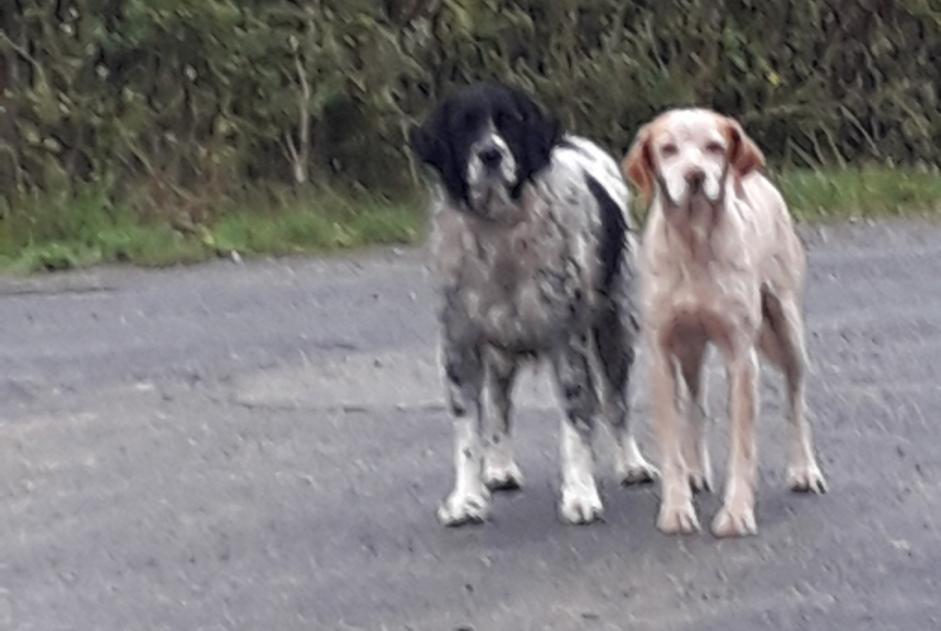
(637, 472)
(630, 465)
(677, 519)
(464, 508)
(806, 479)
(735, 521)
(503, 477)
(580, 504)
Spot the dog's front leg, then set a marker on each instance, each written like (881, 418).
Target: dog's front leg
(677, 514)
(463, 369)
(580, 502)
(500, 469)
(737, 515)
(695, 443)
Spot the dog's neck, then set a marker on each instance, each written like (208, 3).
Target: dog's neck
(498, 209)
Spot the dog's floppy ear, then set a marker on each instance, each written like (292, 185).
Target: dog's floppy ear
(429, 143)
(542, 133)
(638, 165)
(744, 154)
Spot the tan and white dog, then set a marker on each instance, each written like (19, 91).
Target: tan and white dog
(720, 263)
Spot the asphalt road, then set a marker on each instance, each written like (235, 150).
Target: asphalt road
(262, 446)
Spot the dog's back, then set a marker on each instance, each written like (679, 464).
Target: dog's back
(780, 254)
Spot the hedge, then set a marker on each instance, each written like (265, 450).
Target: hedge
(178, 102)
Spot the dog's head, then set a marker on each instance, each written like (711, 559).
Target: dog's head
(485, 141)
(688, 154)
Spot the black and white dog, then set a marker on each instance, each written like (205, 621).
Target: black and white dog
(532, 244)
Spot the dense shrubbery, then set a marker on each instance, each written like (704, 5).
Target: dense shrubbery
(174, 103)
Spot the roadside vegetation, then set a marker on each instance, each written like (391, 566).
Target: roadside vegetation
(163, 131)
(46, 234)
(57, 234)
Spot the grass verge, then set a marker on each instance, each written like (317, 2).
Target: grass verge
(86, 229)
(855, 193)
(44, 235)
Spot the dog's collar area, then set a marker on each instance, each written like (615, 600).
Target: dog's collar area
(505, 219)
(496, 212)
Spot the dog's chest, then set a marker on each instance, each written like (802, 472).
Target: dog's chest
(519, 286)
(706, 295)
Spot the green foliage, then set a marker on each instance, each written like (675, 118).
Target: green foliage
(319, 221)
(839, 194)
(63, 233)
(182, 101)
(176, 109)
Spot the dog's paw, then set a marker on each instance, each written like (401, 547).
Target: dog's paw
(677, 519)
(503, 477)
(641, 472)
(580, 504)
(700, 482)
(806, 479)
(738, 521)
(464, 508)
(630, 466)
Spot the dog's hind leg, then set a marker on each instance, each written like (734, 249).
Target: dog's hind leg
(580, 503)
(500, 469)
(470, 500)
(614, 346)
(782, 342)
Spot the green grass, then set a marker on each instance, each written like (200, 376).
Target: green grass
(86, 229)
(868, 192)
(49, 235)
(322, 223)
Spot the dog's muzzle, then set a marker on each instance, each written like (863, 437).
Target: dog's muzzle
(681, 188)
(695, 180)
(491, 163)
(490, 157)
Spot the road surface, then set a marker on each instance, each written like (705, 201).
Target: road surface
(262, 446)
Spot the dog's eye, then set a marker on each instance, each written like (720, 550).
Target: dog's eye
(715, 147)
(668, 149)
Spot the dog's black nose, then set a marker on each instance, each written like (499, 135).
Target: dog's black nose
(490, 157)
(695, 178)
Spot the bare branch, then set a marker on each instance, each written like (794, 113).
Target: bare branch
(300, 152)
(25, 54)
(291, 148)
